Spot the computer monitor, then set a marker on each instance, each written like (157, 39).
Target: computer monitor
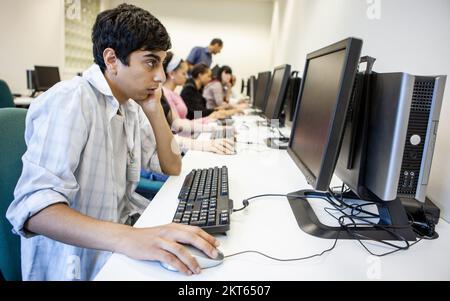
(46, 77)
(251, 88)
(291, 97)
(316, 139)
(277, 91)
(262, 88)
(323, 102)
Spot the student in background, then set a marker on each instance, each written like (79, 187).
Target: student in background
(192, 93)
(86, 143)
(218, 92)
(222, 146)
(203, 55)
(176, 75)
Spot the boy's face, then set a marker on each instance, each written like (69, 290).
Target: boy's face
(143, 76)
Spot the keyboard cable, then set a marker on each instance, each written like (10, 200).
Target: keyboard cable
(343, 226)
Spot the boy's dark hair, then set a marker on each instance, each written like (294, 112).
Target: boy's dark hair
(167, 60)
(199, 69)
(225, 68)
(216, 41)
(125, 29)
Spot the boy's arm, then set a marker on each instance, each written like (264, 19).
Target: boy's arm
(64, 224)
(167, 148)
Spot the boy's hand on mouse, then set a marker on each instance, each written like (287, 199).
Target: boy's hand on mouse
(163, 243)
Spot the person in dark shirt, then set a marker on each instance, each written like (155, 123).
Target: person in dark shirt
(192, 94)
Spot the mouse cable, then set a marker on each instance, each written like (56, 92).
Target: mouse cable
(288, 259)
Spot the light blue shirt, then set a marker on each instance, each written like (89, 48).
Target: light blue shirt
(70, 159)
(200, 55)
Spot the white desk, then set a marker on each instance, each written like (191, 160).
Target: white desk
(23, 100)
(268, 225)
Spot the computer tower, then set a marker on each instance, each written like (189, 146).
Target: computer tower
(404, 116)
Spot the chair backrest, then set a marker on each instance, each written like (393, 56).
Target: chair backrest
(6, 98)
(12, 147)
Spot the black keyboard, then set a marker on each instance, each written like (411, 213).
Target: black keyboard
(204, 200)
(227, 133)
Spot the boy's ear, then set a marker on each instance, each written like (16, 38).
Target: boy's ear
(111, 60)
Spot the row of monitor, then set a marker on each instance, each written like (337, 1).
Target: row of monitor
(268, 91)
(42, 78)
(389, 131)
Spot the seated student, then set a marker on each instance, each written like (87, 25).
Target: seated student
(224, 146)
(218, 91)
(176, 75)
(87, 141)
(192, 93)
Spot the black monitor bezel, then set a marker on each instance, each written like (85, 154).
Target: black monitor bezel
(258, 82)
(352, 48)
(251, 88)
(280, 97)
(40, 87)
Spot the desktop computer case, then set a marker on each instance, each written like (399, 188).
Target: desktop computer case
(404, 116)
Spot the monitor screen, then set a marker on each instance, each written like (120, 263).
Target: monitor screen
(46, 77)
(291, 97)
(262, 87)
(277, 91)
(322, 107)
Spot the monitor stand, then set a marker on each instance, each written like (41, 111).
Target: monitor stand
(278, 143)
(391, 213)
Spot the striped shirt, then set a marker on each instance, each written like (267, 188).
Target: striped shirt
(70, 159)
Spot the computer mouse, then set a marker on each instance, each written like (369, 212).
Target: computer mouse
(204, 261)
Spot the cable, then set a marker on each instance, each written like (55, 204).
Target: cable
(281, 134)
(288, 259)
(358, 236)
(250, 142)
(245, 202)
(348, 227)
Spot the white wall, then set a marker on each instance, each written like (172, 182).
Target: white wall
(409, 35)
(31, 33)
(243, 25)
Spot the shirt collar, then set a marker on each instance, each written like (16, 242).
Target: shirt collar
(95, 77)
